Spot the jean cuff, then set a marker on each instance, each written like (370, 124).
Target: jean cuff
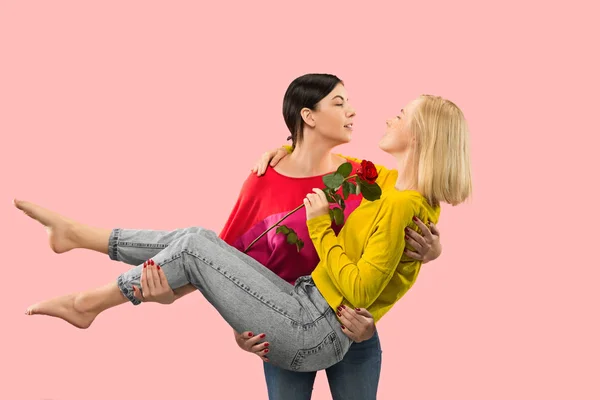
(126, 291)
(112, 244)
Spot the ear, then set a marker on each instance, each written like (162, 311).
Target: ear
(307, 117)
(413, 137)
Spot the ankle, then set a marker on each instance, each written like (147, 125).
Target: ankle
(82, 303)
(74, 233)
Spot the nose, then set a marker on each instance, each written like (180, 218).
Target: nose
(351, 111)
(388, 122)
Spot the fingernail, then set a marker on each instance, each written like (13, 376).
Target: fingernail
(158, 266)
(151, 262)
(415, 219)
(405, 237)
(266, 344)
(262, 336)
(250, 334)
(340, 308)
(357, 309)
(144, 265)
(343, 327)
(266, 351)
(343, 306)
(339, 314)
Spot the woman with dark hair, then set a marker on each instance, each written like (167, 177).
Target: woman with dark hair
(306, 334)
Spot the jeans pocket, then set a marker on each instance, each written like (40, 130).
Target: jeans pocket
(321, 356)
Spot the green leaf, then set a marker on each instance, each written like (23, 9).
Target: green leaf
(346, 190)
(338, 215)
(292, 238)
(333, 181)
(339, 200)
(331, 215)
(370, 191)
(330, 196)
(342, 203)
(345, 169)
(352, 189)
(299, 245)
(358, 190)
(283, 229)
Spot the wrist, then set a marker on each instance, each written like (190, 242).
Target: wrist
(315, 219)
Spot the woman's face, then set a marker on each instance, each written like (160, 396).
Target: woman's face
(398, 138)
(333, 116)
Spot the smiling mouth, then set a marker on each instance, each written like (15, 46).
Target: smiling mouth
(349, 126)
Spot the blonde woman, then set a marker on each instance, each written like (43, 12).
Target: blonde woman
(362, 267)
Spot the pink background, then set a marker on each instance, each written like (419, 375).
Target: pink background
(150, 114)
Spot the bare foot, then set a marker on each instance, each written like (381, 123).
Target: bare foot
(67, 307)
(60, 229)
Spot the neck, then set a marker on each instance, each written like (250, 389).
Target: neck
(407, 173)
(312, 157)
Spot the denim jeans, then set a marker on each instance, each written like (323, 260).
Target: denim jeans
(306, 334)
(356, 377)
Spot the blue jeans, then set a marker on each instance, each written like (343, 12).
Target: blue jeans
(305, 332)
(355, 377)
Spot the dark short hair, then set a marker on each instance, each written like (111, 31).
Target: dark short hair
(305, 92)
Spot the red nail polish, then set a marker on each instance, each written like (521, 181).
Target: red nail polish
(415, 219)
(266, 351)
(266, 344)
(262, 336)
(144, 265)
(357, 309)
(339, 308)
(151, 262)
(339, 314)
(158, 266)
(343, 327)
(343, 306)
(250, 334)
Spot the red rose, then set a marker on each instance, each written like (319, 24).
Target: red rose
(367, 171)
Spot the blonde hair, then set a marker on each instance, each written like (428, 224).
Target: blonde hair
(442, 150)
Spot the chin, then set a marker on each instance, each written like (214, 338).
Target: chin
(345, 139)
(381, 144)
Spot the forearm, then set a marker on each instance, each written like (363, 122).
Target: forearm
(359, 284)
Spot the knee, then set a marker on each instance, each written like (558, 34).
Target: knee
(196, 230)
(194, 240)
(200, 239)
